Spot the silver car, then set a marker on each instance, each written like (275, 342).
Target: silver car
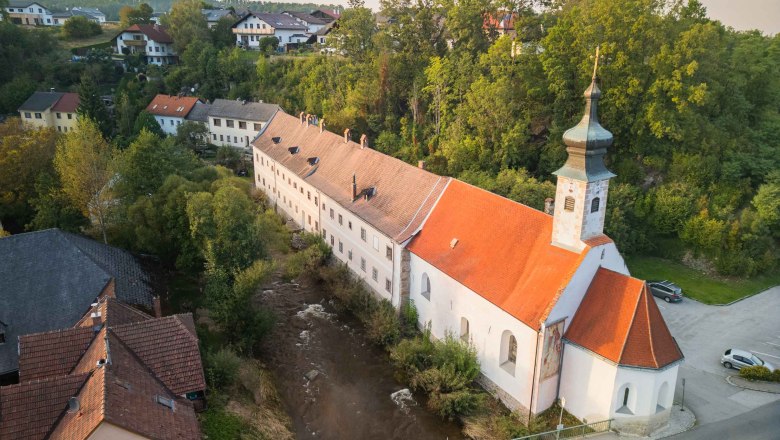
(734, 358)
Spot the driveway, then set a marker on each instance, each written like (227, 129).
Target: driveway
(704, 332)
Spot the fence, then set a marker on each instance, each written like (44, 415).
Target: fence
(572, 431)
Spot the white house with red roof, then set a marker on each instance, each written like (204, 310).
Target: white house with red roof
(151, 40)
(171, 111)
(544, 297)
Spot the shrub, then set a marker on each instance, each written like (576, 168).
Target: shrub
(80, 27)
(222, 367)
(309, 260)
(383, 326)
(759, 372)
(219, 424)
(409, 319)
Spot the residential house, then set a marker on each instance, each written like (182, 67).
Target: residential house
(28, 13)
(50, 277)
(151, 40)
(214, 15)
(501, 22)
(171, 111)
(544, 297)
(91, 14)
(237, 123)
(312, 23)
(253, 27)
(321, 36)
(326, 15)
(118, 373)
(199, 113)
(51, 109)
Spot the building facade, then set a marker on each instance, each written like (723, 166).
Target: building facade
(51, 109)
(28, 13)
(255, 26)
(237, 123)
(171, 111)
(150, 40)
(544, 297)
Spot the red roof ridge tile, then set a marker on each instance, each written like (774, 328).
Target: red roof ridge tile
(630, 324)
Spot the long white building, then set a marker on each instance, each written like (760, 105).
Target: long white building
(546, 300)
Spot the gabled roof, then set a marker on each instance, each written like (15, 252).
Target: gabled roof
(308, 18)
(619, 320)
(40, 101)
(116, 380)
(68, 103)
(246, 110)
(155, 32)
(403, 194)
(213, 15)
(276, 21)
(55, 353)
(498, 248)
(23, 3)
(172, 106)
(49, 278)
(199, 113)
(332, 13)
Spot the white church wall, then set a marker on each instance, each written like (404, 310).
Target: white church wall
(649, 401)
(489, 327)
(572, 295)
(587, 383)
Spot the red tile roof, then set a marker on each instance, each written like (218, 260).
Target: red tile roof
(598, 241)
(29, 410)
(503, 251)
(54, 353)
(404, 193)
(113, 312)
(619, 320)
(68, 103)
(172, 106)
(153, 31)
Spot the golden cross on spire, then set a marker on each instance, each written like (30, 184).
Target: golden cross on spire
(596, 63)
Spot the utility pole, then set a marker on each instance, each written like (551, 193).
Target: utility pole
(562, 401)
(682, 403)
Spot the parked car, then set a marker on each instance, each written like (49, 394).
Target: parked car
(666, 290)
(734, 358)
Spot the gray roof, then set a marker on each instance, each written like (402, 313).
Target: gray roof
(49, 278)
(308, 18)
(22, 3)
(215, 14)
(276, 21)
(91, 11)
(40, 101)
(199, 113)
(248, 111)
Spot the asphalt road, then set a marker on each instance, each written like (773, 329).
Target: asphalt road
(704, 333)
(760, 424)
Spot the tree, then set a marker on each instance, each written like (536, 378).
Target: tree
(355, 32)
(146, 121)
(24, 155)
(52, 207)
(80, 27)
(129, 16)
(91, 106)
(192, 135)
(186, 25)
(222, 33)
(84, 164)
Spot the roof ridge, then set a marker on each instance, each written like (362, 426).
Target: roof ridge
(425, 200)
(649, 327)
(65, 410)
(127, 307)
(141, 362)
(61, 330)
(630, 326)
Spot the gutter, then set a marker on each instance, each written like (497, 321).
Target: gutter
(533, 379)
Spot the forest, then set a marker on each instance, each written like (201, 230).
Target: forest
(693, 107)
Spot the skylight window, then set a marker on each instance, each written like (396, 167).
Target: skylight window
(276, 139)
(294, 150)
(164, 401)
(313, 160)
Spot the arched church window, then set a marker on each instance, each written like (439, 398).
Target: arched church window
(425, 288)
(464, 329)
(625, 397)
(508, 352)
(568, 203)
(594, 205)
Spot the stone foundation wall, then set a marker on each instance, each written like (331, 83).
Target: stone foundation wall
(510, 402)
(406, 270)
(641, 426)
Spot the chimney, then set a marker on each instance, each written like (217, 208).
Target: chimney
(322, 125)
(363, 141)
(549, 205)
(308, 119)
(157, 307)
(346, 135)
(421, 164)
(52, 90)
(300, 116)
(354, 187)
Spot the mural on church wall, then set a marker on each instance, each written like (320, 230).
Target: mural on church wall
(551, 352)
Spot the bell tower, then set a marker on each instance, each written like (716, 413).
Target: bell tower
(583, 181)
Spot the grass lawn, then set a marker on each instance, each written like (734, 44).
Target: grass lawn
(110, 30)
(697, 285)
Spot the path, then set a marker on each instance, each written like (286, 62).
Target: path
(350, 396)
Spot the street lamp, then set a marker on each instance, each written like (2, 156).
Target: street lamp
(562, 401)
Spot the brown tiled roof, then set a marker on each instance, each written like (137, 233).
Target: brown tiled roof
(173, 106)
(598, 240)
(169, 348)
(52, 353)
(153, 31)
(404, 193)
(68, 103)
(527, 273)
(29, 410)
(113, 312)
(619, 320)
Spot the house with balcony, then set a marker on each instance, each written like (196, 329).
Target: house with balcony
(28, 13)
(152, 41)
(253, 27)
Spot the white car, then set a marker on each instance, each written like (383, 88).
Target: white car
(734, 358)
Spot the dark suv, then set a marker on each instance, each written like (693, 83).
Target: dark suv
(666, 290)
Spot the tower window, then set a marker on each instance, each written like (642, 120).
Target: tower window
(568, 203)
(594, 205)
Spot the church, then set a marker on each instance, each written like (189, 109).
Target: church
(544, 297)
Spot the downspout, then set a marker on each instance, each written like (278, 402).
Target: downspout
(533, 379)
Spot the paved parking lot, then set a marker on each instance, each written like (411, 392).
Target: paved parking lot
(704, 333)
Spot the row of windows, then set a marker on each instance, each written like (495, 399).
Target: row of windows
(162, 122)
(62, 129)
(229, 123)
(568, 204)
(508, 352)
(252, 26)
(374, 270)
(363, 233)
(28, 115)
(31, 10)
(70, 115)
(226, 138)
